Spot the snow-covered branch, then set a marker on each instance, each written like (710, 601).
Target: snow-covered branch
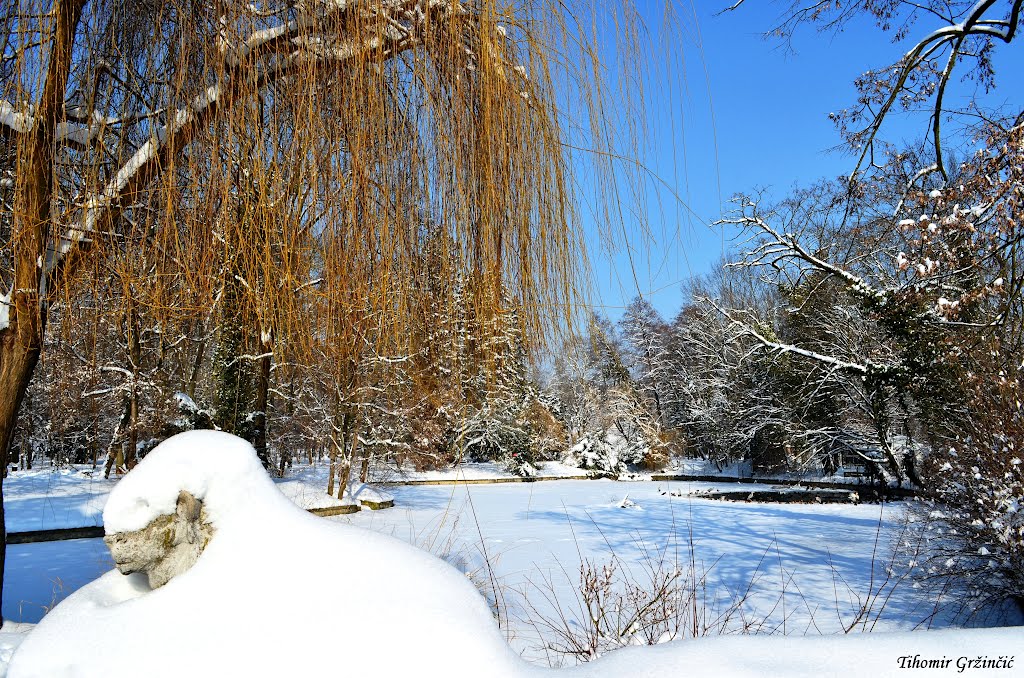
(780, 246)
(250, 356)
(69, 132)
(746, 329)
(952, 36)
(19, 122)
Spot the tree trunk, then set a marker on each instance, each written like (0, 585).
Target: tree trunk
(132, 446)
(234, 396)
(17, 361)
(263, 401)
(344, 471)
(330, 470)
(134, 358)
(21, 341)
(348, 451)
(122, 423)
(94, 443)
(197, 365)
(364, 468)
(108, 465)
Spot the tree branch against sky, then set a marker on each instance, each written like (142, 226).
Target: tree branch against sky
(754, 99)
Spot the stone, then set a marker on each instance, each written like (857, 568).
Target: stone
(168, 546)
(377, 505)
(339, 510)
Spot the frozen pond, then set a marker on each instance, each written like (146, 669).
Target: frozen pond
(803, 568)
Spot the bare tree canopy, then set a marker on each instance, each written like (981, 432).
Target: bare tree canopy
(945, 39)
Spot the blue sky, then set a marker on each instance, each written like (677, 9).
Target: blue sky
(744, 113)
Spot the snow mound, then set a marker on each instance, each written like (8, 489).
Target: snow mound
(277, 591)
(219, 469)
(280, 593)
(11, 637)
(357, 492)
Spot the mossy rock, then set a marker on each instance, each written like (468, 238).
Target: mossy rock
(377, 505)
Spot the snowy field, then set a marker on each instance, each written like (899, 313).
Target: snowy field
(45, 499)
(793, 569)
(801, 569)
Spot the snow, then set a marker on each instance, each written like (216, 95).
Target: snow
(306, 486)
(14, 120)
(46, 498)
(221, 617)
(215, 468)
(5, 310)
(78, 133)
(185, 402)
(357, 492)
(379, 606)
(705, 467)
(490, 471)
(528, 531)
(65, 132)
(795, 657)
(10, 638)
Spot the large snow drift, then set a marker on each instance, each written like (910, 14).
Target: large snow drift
(277, 592)
(280, 593)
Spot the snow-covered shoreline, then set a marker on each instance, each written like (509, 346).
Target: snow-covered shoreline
(48, 498)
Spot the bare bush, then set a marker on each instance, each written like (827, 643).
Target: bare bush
(614, 605)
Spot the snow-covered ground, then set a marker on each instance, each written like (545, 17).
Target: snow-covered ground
(531, 532)
(799, 569)
(803, 568)
(531, 529)
(484, 471)
(46, 499)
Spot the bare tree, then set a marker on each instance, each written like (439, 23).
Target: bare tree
(943, 38)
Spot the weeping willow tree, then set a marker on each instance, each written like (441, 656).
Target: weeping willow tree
(272, 163)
